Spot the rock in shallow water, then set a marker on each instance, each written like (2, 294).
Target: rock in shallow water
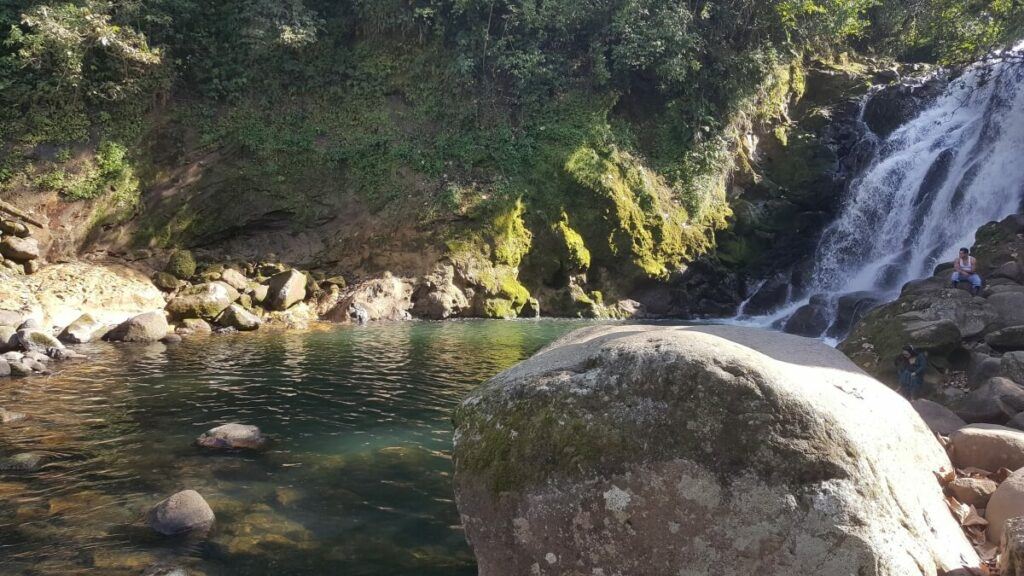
(233, 437)
(184, 512)
(148, 327)
(239, 318)
(650, 450)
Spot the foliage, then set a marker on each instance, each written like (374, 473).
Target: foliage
(497, 122)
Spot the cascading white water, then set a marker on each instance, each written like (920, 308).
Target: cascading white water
(934, 181)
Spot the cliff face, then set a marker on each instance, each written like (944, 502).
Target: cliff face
(581, 163)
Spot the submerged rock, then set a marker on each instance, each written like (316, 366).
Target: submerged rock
(233, 437)
(701, 450)
(184, 512)
(10, 416)
(24, 462)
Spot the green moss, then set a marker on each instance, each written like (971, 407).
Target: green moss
(645, 226)
(511, 238)
(578, 256)
(181, 264)
(499, 308)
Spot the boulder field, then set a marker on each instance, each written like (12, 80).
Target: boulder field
(699, 450)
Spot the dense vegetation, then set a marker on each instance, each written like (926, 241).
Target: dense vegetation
(602, 130)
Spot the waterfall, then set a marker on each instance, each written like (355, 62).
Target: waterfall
(933, 182)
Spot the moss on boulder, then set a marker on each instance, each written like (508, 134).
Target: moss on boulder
(182, 264)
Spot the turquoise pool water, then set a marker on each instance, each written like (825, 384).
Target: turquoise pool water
(356, 482)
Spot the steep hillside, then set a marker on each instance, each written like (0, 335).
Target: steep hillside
(580, 153)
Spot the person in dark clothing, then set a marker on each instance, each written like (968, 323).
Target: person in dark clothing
(911, 365)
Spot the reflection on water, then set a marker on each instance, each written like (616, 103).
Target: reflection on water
(357, 482)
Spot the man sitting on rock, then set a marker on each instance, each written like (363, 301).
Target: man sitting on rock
(965, 267)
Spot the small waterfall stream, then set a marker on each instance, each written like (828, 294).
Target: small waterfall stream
(935, 180)
(956, 166)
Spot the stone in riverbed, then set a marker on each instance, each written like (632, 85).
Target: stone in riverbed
(940, 420)
(239, 318)
(148, 327)
(166, 281)
(19, 368)
(286, 289)
(233, 437)
(810, 321)
(204, 301)
(84, 329)
(235, 279)
(5, 368)
(184, 512)
(1010, 338)
(987, 446)
(36, 341)
(973, 491)
(171, 338)
(699, 450)
(14, 228)
(10, 416)
(19, 249)
(195, 326)
(7, 341)
(1007, 502)
(24, 462)
(1011, 560)
(1011, 366)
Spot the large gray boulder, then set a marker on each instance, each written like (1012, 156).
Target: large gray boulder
(204, 301)
(1008, 307)
(84, 329)
(994, 402)
(698, 450)
(148, 327)
(184, 512)
(1010, 338)
(286, 289)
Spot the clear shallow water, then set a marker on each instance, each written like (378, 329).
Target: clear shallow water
(357, 482)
